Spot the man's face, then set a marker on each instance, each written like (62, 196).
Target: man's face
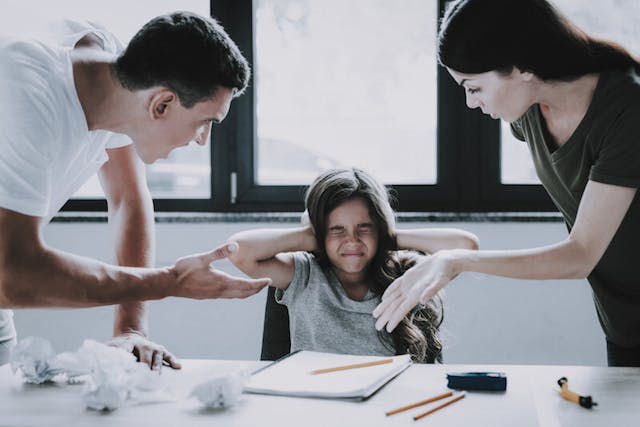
(173, 125)
(505, 97)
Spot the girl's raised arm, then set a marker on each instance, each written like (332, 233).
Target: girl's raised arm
(430, 240)
(264, 252)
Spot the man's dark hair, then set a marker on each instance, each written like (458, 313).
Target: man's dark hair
(190, 54)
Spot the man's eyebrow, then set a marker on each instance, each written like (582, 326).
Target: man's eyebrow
(462, 82)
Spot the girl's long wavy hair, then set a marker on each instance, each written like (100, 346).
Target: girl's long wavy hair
(477, 36)
(417, 334)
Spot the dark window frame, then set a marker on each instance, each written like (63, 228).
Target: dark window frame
(468, 154)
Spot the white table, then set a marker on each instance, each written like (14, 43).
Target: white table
(531, 399)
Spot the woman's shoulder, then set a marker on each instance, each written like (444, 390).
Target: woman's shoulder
(620, 88)
(616, 105)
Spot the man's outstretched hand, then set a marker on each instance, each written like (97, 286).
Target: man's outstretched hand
(197, 278)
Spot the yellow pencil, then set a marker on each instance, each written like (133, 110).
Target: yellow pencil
(447, 403)
(422, 402)
(354, 366)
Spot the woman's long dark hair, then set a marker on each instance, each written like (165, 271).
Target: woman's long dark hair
(478, 36)
(417, 334)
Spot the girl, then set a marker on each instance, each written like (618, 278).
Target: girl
(575, 101)
(331, 271)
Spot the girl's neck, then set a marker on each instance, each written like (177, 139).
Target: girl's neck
(356, 285)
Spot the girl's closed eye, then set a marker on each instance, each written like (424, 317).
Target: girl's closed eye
(336, 232)
(366, 228)
(472, 90)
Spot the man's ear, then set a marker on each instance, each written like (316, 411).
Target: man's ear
(161, 103)
(526, 76)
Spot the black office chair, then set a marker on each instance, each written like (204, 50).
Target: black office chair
(276, 339)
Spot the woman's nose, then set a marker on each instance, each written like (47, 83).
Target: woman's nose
(472, 101)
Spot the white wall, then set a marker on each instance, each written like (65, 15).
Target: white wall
(487, 319)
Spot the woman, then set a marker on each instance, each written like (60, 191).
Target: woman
(575, 101)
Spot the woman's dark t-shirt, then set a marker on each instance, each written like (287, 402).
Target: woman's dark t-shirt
(605, 148)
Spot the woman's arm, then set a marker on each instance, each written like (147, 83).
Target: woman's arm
(431, 240)
(601, 212)
(263, 253)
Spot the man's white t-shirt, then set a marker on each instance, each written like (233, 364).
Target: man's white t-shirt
(46, 150)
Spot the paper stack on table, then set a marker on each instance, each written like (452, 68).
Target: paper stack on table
(293, 376)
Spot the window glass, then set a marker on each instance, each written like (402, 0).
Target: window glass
(186, 173)
(345, 83)
(615, 20)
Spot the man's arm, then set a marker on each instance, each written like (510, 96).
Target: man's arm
(33, 274)
(131, 217)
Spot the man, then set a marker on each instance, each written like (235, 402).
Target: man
(66, 113)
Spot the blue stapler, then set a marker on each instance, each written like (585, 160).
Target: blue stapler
(491, 381)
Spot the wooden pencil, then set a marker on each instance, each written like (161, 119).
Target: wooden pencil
(354, 366)
(422, 402)
(437, 408)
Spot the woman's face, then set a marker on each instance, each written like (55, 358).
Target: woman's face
(351, 240)
(505, 97)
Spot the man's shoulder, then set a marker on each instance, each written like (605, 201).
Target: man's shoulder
(23, 51)
(28, 62)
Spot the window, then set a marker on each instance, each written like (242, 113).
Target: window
(342, 83)
(338, 83)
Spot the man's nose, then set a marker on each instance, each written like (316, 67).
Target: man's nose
(203, 137)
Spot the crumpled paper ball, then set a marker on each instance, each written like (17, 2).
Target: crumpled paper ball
(113, 376)
(109, 384)
(35, 358)
(117, 378)
(221, 391)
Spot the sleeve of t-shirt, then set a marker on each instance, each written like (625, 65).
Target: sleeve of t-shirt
(28, 116)
(516, 130)
(618, 161)
(302, 271)
(67, 33)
